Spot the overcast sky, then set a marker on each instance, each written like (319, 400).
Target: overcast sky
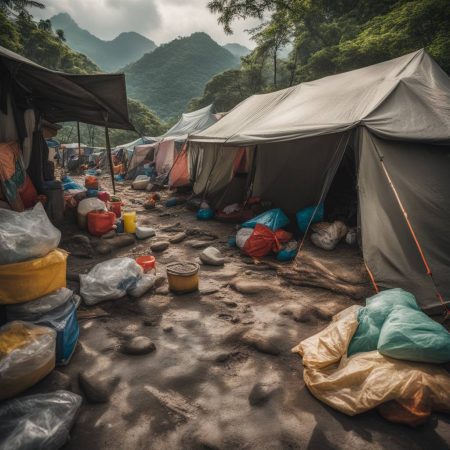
(159, 20)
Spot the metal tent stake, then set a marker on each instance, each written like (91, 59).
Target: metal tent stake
(108, 149)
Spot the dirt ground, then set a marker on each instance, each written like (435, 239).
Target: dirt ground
(193, 391)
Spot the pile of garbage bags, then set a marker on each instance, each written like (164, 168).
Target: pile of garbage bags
(42, 328)
(380, 356)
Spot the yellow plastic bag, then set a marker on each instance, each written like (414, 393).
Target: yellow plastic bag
(366, 380)
(28, 280)
(27, 354)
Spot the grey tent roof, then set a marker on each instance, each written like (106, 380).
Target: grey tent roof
(192, 122)
(62, 97)
(406, 98)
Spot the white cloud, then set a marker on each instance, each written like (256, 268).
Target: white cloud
(159, 20)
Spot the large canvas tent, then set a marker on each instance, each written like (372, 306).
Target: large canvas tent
(395, 118)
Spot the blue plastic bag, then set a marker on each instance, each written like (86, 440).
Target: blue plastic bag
(92, 193)
(305, 216)
(205, 214)
(273, 219)
(371, 318)
(72, 185)
(286, 255)
(411, 335)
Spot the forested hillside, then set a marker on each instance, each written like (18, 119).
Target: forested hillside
(110, 56)
(38, 42)
(170, 76)
(326, 37)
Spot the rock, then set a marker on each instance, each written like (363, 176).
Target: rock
(139, 345)
(96, 390)
(311, 314)
(250, 287)
(261, 393)
(168, 329)
(122, 240)
(103, 248)
(178, 237)
(208, 290)
(198, 244)
(109, 235)
(171, 227)
(212, 256)
(143, 232)
(159, 246)
(264, 344)
(230, 304)
(78, 245)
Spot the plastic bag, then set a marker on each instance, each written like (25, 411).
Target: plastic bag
(351, 236)
(142, 286)
(288, 252)
(26, 235)
(327, 235)
(306, 216)
(28, 280)
(205, 214)
(110, 280)
(61, 318)
(272, 219)
(140, 182)
(372, 317)
(38, 422)
(263, 240)
(31, 311)
(27, 354)
(411, 335)
(242, 236)
(90, 204)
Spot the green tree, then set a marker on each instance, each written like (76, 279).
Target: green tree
(19, 6)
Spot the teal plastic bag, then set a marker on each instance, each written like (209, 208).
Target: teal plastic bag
(273, 219)
(372, 317)
(305, 216)
(411, 335)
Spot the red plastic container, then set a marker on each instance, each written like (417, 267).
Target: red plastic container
(100, 222)
(116, 208)
(146, 262)
(103, 196)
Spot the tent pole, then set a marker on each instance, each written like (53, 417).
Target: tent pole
(108, 149)
(79, 141)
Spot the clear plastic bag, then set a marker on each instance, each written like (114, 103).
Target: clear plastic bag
(110, 280)
(90, 204)
(327, 235)
(26, 235)
(38, 422)
(27, 354)
(142, 286)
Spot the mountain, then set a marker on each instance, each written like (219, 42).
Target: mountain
(110, 56)
(237, 50)
(166, 79)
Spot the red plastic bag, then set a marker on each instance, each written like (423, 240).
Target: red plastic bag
(263, 240)
(100, 222)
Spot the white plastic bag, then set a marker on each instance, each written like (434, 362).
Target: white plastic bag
(140, 182)
(31, 311)
(327, 235)
(90, 204)
(26, 235)
(350, 238)
(242, 236)
(142, 286)
(38, 422)
(110, 280)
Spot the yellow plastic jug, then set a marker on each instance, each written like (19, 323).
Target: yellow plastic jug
(129, 221)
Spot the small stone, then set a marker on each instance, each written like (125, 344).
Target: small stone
(168, 329)
(261, 393)
(96, 390)
(159, 246)
(122, 240)
(178, 238)
(209, 291)
(139, 345)
(222, 357)
(264, 344)
(198, 244)
(171, 227)
(212, 256)
(249, 287)
(103, 249)
(109, 235)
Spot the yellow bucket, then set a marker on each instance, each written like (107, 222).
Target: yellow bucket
(29, 280)
(183, 277)
(129, 221)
